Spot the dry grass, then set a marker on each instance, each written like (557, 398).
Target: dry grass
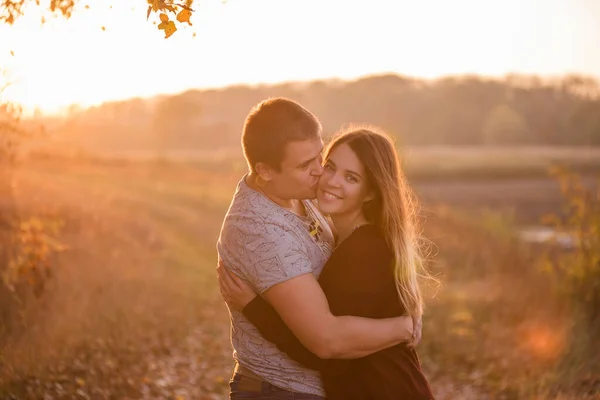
(133, 311)
(429, 162)
(134, 285)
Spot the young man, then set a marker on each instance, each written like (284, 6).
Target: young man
(275, 239)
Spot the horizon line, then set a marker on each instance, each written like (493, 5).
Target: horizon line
(544, 78)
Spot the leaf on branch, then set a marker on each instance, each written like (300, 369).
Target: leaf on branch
(169, 28)
(158, 5)
(161, 7)
(184, 16)
(184, 6)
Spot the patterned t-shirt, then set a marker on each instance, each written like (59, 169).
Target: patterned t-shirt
(266, 244)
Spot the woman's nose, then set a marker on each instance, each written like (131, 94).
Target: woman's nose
(334, 180)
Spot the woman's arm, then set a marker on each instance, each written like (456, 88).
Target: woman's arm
(303, 307)
(271, 326)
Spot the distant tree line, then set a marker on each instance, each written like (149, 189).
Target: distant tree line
(469, 110)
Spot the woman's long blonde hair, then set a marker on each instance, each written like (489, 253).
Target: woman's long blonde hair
(393, 210)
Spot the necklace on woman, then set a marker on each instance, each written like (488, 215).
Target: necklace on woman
(350, 234)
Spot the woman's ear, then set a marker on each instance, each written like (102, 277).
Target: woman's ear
(369, 197)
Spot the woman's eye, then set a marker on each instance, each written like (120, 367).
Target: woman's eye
(328, 167)
(351, 179)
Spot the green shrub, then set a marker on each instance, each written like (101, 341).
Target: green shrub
(576, 269)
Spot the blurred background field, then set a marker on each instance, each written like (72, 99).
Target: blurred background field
(110, 209)
(131, 307)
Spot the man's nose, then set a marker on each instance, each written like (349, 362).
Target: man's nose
(318, 170)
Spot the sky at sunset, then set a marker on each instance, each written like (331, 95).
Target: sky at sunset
(256, 41)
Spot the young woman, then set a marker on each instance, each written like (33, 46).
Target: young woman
(373, 271)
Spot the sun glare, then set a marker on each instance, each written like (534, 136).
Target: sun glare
(545, 341)
(89, 59)
(110, 52)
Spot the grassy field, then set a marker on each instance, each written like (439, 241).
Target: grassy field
(423, 163)
(133, 311)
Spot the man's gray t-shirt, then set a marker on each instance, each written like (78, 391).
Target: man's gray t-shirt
(266, 244)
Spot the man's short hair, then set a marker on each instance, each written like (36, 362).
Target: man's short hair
(273, 123)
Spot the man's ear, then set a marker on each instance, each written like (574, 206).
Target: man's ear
(264, 171)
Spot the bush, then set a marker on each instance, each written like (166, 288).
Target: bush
(577, 270)
(26, 244)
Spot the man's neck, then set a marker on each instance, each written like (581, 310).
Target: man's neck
(293, 205)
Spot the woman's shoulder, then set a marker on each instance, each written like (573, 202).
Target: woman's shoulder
(367, 241)
(368, 232)
(365, 250)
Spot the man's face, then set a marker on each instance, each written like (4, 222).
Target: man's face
(300, 170)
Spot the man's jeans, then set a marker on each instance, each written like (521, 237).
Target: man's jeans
(244, 387)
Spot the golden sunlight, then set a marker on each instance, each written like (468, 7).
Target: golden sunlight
(110, 52)
(112, 216)
(544, 341)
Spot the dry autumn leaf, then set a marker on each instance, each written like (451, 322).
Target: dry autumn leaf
(161, 7)
(184, 16)
(169, 28)
(157, 5)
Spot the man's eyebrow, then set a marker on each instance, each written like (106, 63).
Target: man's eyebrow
(302, 164)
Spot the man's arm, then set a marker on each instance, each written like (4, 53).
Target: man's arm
(270, 325)
(276, 265)
(302, 305)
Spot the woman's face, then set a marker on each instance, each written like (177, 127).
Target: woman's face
(343, 187)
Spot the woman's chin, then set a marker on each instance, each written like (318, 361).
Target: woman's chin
(326, 207)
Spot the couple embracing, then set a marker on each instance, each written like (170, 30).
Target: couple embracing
(319, 264)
